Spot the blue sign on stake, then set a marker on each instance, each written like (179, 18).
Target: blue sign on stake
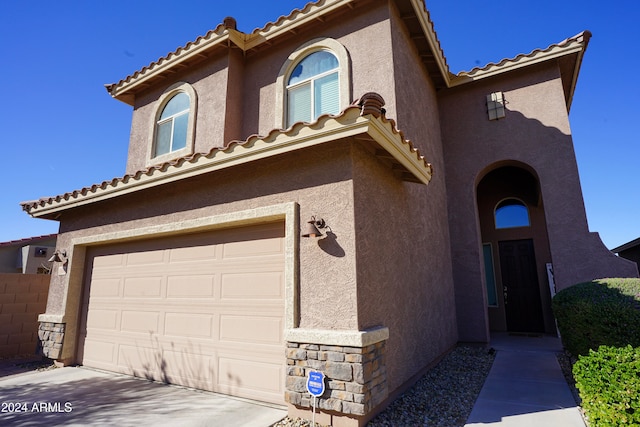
(315, 383)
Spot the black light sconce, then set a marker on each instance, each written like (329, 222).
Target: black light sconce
(59, 256)
(313, 226)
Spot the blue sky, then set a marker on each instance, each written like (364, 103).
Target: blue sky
(62, 131)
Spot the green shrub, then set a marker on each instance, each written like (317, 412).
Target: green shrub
(609, 385)
(602, 312)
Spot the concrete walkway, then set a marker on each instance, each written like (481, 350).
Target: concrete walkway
(525, 386)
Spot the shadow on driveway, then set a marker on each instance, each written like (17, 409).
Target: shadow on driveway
(80, 396)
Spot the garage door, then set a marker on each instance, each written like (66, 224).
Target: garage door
(204, 311)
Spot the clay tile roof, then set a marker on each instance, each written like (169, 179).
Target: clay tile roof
(28, 240)
(180, 51)
(214, 37)
(359, 118)
(568, 54)
(579, 39)
(225, 33)
(295, 13)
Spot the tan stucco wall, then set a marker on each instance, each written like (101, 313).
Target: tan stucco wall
(403, 254)
(210, 84)
(236, 93)
(404, 273)
(382, 60)
(535, 132)
(362, 34)
(318, 179)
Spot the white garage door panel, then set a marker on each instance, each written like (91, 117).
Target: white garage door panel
(251, 329)
(252, 285)
(198, 325)
(143, 287)
(190, 286)
(101, 352)
(254, 377)
(105, 287)
(139, 321)
(202, 310)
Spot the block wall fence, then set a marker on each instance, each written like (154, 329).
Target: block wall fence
(22, 298)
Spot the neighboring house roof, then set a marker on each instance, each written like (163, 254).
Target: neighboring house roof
(28, 240)
(365, 119)
(413, 12)
(626, 246)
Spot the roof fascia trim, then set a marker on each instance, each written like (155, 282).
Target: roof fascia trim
(626, 246)
(432, 39)
(382, 132)
(121, 89)
(315, 11)
(576, 70)
(515, 64)
(351, 123)
(239, 39)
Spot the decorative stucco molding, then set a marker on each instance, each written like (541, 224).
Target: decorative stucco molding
(337, 337)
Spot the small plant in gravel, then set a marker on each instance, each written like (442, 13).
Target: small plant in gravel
(609, 383)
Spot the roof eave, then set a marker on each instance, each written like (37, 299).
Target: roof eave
(518, 63)
(312, 11)
(328, 128)
(576, 46)
(584, 41)
(125, 89)
(626, 246)
(427, 27)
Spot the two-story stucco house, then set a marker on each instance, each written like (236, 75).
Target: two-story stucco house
(323, 193)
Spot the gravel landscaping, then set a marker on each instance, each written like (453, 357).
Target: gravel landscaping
(443, 397)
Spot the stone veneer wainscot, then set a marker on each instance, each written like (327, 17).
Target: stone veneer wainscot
(356, 377)
(51, 335)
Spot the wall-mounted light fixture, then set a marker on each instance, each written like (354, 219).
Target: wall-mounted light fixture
(313, 226)
(496, 105)
(59, 256)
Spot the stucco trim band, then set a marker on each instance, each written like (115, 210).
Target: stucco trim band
(327, 128)
(334, 337)
(51, 318)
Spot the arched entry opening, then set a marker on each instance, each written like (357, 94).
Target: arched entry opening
(515, 250)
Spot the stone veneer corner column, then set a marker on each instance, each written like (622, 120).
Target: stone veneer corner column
(51, 336)
(353, 364)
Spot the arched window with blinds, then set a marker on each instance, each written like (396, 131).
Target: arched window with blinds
(313, 88)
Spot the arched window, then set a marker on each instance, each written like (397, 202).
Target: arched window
(172, 127)
(314, 80)
(313, 89)
(512, 213)
(171, 131)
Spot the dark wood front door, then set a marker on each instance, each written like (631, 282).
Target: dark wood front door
(520, 286)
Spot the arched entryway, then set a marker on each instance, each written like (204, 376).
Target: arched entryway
(515, 250)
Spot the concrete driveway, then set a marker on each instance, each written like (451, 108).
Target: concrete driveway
(76, 396)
